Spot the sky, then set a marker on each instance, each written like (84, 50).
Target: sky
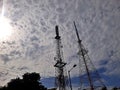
(30, 45)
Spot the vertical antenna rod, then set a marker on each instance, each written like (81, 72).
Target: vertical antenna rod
(83, 56)
(77, 34)
(57, 32)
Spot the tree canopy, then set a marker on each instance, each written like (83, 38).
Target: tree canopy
(30, 81)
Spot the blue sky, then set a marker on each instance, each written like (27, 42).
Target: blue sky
(31, 47)
(109, 81)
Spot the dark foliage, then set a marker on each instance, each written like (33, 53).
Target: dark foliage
(30, 81)
(104, 88)
(115, 88)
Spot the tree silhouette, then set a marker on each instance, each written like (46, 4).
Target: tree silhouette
(104, 88)
(115, 88)
(30, 81)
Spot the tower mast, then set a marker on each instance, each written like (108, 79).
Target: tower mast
(83, 52)
(59, 65)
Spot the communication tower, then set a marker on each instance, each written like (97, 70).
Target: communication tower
(89, 76)
(60, 64)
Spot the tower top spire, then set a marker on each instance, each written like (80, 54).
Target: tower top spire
(57, 32)
(79, 40)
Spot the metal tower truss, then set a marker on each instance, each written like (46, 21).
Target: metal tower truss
(60, 80)
(89, 77)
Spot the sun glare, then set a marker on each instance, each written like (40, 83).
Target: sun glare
(5, 29)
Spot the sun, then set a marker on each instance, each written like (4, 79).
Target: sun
(5, 29)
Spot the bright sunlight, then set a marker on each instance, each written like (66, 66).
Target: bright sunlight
(5, 29)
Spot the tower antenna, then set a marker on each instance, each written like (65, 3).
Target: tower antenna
(59, 65)
(86, 66)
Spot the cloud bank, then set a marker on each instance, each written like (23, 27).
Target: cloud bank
(32, 46)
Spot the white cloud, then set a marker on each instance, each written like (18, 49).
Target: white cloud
(34, 21)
